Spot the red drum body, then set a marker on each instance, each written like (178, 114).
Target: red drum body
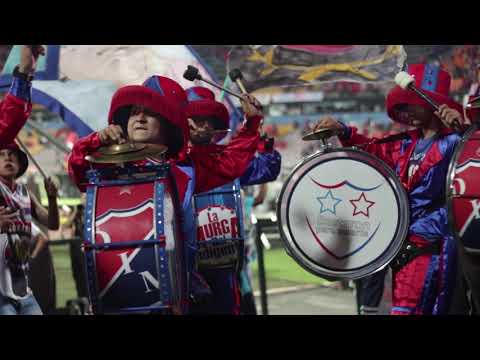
(134, 250)
(463, 191)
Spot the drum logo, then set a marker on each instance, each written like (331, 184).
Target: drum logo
(217, 222)
(345, 210)
(115, 226)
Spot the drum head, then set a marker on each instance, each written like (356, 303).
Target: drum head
(463, 191)
(343, 214)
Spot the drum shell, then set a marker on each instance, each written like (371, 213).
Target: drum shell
(307, 260)
(220, 228)
(463, 190)
(135, 254)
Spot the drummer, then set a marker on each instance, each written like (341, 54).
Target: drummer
(424, 271)
(206, 115)
(155, 113)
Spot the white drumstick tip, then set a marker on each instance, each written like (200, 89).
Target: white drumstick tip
(403, 79)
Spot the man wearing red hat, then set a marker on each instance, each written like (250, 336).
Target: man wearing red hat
(155, 113)
(424, 271)
(206, 115)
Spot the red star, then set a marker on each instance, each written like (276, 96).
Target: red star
(363, 205)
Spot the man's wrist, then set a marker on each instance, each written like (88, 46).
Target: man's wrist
(253, 122)
(20, 73)
(346, 132)
(21, 86)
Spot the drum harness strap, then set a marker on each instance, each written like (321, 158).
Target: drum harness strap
(410, 250)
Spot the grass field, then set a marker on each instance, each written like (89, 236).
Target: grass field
(280, 269)
(63, 274)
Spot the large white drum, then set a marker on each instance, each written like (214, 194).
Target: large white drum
(343, 214)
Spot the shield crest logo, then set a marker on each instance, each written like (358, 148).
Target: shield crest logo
(341, 215)
(133, 224)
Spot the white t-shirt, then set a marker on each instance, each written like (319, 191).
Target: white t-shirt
(14, 264)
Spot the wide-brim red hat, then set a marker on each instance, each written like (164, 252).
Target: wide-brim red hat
(201, 102)
(139, 95)
(432, 80)
(212, 109)
(22, 158)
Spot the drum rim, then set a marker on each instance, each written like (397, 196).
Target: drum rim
(401, 231)
(451, 176)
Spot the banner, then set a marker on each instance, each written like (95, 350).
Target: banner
(292, 65)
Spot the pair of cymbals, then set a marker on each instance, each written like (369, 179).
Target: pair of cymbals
(320, 134)
(120, 153)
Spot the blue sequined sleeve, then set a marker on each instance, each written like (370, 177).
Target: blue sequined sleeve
(264, 168)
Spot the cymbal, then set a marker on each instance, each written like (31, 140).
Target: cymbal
(121, 148)
(320, 134)
(116, 154)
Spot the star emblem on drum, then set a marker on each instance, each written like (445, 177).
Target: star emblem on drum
(125, 190)
(361, 205)
(328, 203)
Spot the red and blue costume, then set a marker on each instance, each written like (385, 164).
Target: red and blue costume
(264, 167)
(425, 275)
(15, 109)
(193, 172)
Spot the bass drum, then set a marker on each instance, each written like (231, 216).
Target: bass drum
(463, 191)
(343, 214)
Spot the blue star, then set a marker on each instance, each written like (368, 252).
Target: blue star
(329, 203)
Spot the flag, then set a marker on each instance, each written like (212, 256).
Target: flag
(293, 65)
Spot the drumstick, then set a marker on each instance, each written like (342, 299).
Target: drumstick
(406, 81)
(24, 148)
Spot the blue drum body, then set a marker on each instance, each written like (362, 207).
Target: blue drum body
(220, 231)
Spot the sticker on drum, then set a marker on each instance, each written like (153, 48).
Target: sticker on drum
(463, 190)
(343, 214)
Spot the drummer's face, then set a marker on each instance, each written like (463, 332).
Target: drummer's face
(199, 134)
(9, 164)
(145, 126)
(415, 115)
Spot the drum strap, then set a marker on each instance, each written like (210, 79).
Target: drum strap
(410, 251)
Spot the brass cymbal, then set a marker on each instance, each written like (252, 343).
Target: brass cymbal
(117, 149)
(320, 134)
(116, 154)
